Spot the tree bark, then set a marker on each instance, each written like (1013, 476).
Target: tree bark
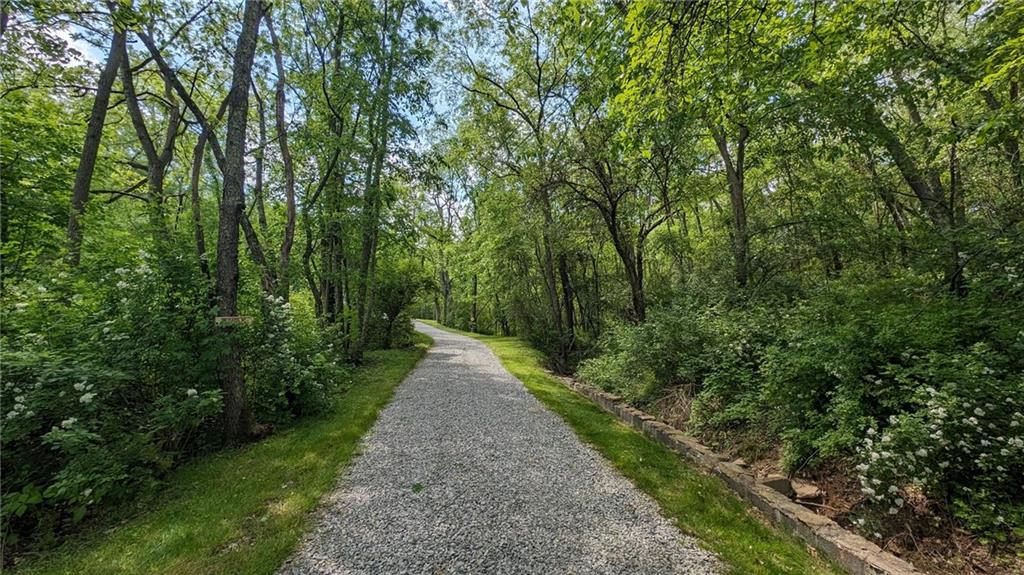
(286, 162)
(257, 189)
(90, 149)
(307, 267)
(472, 306)
(734, 171)
(268, 279)
(550, 279)
(156, 160)
(237, 418)
(567, 299)
(446, 295)
(957, 215)
(197, 216)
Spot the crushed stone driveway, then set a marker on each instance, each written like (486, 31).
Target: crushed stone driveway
(466, 472)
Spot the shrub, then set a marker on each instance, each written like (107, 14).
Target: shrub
(289, 372)
(961, 439)
(110, 380)
(623, 366)
(713, 350)
(107, 383)
(398, 283)
(638, 360)
(937, 379)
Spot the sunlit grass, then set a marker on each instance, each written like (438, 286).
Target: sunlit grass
(240, 511)
(701, 505)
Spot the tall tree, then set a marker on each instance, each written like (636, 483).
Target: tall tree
(237, 417)
(528, 102)
(286, 162)
(93, 136)
(157, 159)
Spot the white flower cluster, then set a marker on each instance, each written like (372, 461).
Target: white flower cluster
(87, 394)
(973, 438)
(278, 306)
(20, 408)
(126, 277)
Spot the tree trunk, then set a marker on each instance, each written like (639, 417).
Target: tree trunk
(567, 298)
(957, 215)
(327, 281)
(156, 160)
(371, 224)
(257, 190)
(637, 285)
(547, 261)
(446, 295)
(307, 272)
(500, 317)
(286, 163)
(734, 171)
(197, 216)
(631, 256)
(90, 150)
(380, 130)
(237, 418)
(472, 306)
(268, 279)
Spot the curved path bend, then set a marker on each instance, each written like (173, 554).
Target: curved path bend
(466, 472)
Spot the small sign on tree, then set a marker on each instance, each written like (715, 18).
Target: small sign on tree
(228, 320)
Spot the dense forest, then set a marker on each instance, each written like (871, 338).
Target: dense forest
(205, 224)
(792, 228)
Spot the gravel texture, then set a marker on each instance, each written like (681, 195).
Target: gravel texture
(466, 472)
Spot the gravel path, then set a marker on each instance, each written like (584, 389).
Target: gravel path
(466, 472)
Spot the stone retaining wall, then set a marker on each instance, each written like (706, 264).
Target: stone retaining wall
(851, 551)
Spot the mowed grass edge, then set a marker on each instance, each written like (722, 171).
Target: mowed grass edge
(700, 505)
(243, 510)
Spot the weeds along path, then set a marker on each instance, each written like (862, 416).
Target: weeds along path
(466, 472)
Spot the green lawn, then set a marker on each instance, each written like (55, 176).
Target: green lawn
(240, 511)
(701, 505)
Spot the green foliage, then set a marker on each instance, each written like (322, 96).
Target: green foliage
(110, 381)
(820, 205)
(114, 366)
(291, 371)
(399, 283)
(37, 143)
(638, 361)
(93, 412)
(240, 510)
(933, 383)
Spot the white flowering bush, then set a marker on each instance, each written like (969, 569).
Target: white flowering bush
(108, 382)
(961, 440)
(922, 391)
(290, 373)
